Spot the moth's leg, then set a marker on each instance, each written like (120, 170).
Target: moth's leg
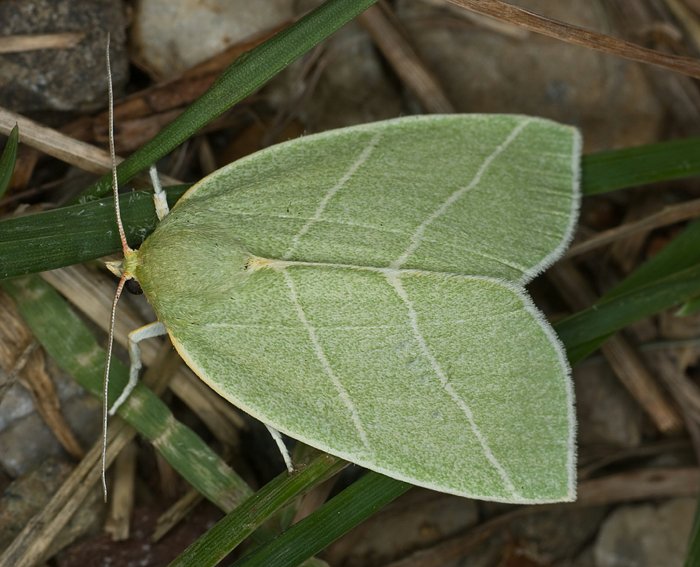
(149, 331)
(282, 447)
(159, 198)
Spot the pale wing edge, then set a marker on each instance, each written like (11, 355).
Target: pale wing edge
(568, 235)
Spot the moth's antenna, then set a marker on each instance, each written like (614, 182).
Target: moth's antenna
(105, 393)
(113, 155)
(122, 280)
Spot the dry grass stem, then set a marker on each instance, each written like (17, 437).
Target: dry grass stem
(52, 142)
(22, 360)
(669, 215)
(641, 384)
(686, 18)
(176, 513)
(506, 29)
(384, 28)
(14, 371)
(43, 391)
(619, 456)
(642, 484)
(20, 43)
(118, 521)
(625, 362)
(580, 36)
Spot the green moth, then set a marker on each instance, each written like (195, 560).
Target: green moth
(361, 290)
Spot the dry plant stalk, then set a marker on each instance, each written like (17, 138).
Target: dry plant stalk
(20, 43)
(668, 215)
(580, 36)
(52, 142)
(624, 361)
(382, 25)
(118, 521)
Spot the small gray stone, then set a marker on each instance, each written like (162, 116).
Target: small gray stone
(606, 412)
(26, 442)
(646, 535)
(171, 36)
(73, 79)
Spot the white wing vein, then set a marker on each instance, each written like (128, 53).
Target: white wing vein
(364, 155)
(417, 237)
(395, 282)
(318, 350)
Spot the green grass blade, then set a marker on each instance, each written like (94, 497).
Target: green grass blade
(75, 234)
(229, 532)
(245, 75)
(692, 558)
(586, 330)
(7, 160)
(669, 278)
(340, 514)
(681, 253)
(71, 344)
(691, 307)
(617, 169)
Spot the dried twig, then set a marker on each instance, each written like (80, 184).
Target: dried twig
(669, 215)
(580, 36)
(383, 27)
(625, 362)
(624, 487)
(20, 43)
(118, 521)
(173, 515)
(54, 143)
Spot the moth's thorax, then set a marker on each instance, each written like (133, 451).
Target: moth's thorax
(188, 260)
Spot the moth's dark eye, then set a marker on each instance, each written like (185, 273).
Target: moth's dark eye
(132, 286)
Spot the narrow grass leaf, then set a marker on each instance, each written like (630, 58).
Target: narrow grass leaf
(690, 307)
(631, 167)
(75, 234)
(7, 160)
(693, 554)
(229, 532)
(669, 278)
(339, 515)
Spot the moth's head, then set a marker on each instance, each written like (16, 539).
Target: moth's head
(126, 267)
